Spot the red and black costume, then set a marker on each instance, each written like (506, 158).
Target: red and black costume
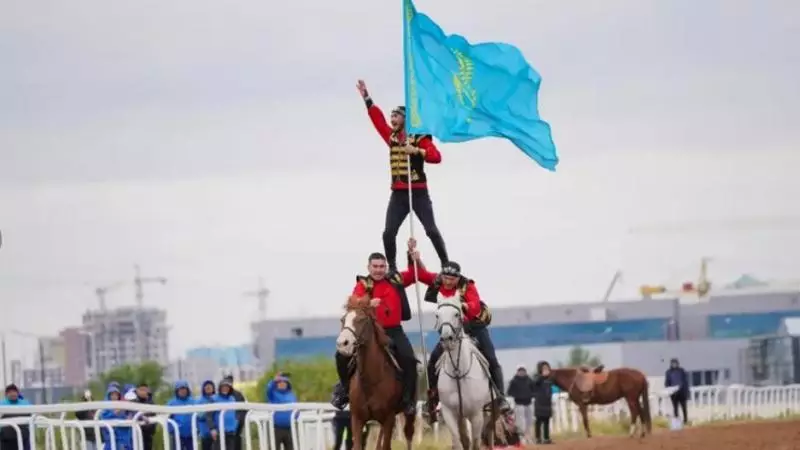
(476, 321)
(390, 313)
(398, 207)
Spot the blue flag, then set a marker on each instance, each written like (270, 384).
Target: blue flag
(457, 91)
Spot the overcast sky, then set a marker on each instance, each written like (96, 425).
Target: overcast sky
(213, 142)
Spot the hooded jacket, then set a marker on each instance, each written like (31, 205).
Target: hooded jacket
(8, 433)
(231, 424)
(184, 421)
(204, 419)
(122, 435)
(676, 376)
(282, 419)
(543, 394)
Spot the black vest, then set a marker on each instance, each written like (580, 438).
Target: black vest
(432, 293)
(399, 160)
(396, 280)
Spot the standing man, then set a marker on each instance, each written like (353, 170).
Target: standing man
(387, 292)
(279, 391)
(240, 415)
(677, 377)
(522, 390)
(421, 149)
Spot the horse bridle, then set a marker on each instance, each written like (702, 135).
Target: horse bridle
(359, 337)
(459, 336)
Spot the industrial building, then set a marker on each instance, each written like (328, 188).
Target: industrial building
(710, 334)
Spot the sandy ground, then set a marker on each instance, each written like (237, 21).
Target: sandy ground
(783, 435)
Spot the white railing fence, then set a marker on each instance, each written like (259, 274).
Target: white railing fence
(311, 427)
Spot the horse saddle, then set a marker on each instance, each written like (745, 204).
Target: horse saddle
(586, 379)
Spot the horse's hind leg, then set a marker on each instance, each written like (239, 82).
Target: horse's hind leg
(633, 406)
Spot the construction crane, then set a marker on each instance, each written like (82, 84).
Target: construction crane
(701, 288)
(614, 281)
(261, 294)
(139, 281)
(103, 290)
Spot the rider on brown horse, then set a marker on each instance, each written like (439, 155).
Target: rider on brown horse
(388, 294)
(477, 317)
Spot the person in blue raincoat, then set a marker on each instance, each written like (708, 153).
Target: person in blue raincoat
(207, 393)
(183, 397)
(279, 391)
(8, 436)
(123, 436)
(224, 430)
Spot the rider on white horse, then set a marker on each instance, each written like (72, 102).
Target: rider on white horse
(448, 283)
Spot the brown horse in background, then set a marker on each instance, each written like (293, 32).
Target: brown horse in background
(375, 391)
(586, 386)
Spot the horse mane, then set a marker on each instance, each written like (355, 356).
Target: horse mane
(360, 304)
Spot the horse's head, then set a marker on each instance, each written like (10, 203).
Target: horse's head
(359, 327)
(449, 320)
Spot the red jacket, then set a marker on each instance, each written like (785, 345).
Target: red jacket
(471, 299)
(432, 154)
(388, 312)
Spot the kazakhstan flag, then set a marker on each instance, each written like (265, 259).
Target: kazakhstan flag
(457, 91)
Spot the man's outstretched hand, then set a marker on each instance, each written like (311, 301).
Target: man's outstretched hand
(362, 88)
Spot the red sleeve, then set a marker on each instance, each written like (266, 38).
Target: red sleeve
(359, 290)
(379, 122)
(432, 154)
(425, 277)
(473, 300)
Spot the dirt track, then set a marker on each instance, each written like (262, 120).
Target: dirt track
(743, 436)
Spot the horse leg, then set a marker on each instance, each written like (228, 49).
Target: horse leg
(357, 429)
(408, 430)
(633, 406)
(456, 426)
(387, 429)
(477, 424)
(584, 409)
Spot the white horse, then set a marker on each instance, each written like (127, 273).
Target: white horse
(464, 387)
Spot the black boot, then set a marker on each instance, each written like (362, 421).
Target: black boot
(409, 395)
(341, 392)
(500, 401)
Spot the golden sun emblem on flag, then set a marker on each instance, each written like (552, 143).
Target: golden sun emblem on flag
(462, 80)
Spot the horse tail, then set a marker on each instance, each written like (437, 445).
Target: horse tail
(648, 421)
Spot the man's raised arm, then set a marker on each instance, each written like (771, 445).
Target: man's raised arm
(375, 114)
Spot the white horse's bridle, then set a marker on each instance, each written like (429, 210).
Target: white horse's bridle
(458, 336)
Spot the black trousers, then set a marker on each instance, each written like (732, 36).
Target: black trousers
(679, 400)
(542, 428)
(485, 346)
(405, 357)
(341, 426)
(283, 436)
(396, 213)
(230, 441)
(207, 443)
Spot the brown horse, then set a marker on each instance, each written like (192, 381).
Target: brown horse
(587, 386)
(375, 391)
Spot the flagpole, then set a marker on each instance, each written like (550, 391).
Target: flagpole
(409, 112)
(416, 270)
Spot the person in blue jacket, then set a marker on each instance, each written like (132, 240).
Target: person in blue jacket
(279, 391)
(123, 436)
(183, 397)
(207, 393)
(226, 430)
(8, 436)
